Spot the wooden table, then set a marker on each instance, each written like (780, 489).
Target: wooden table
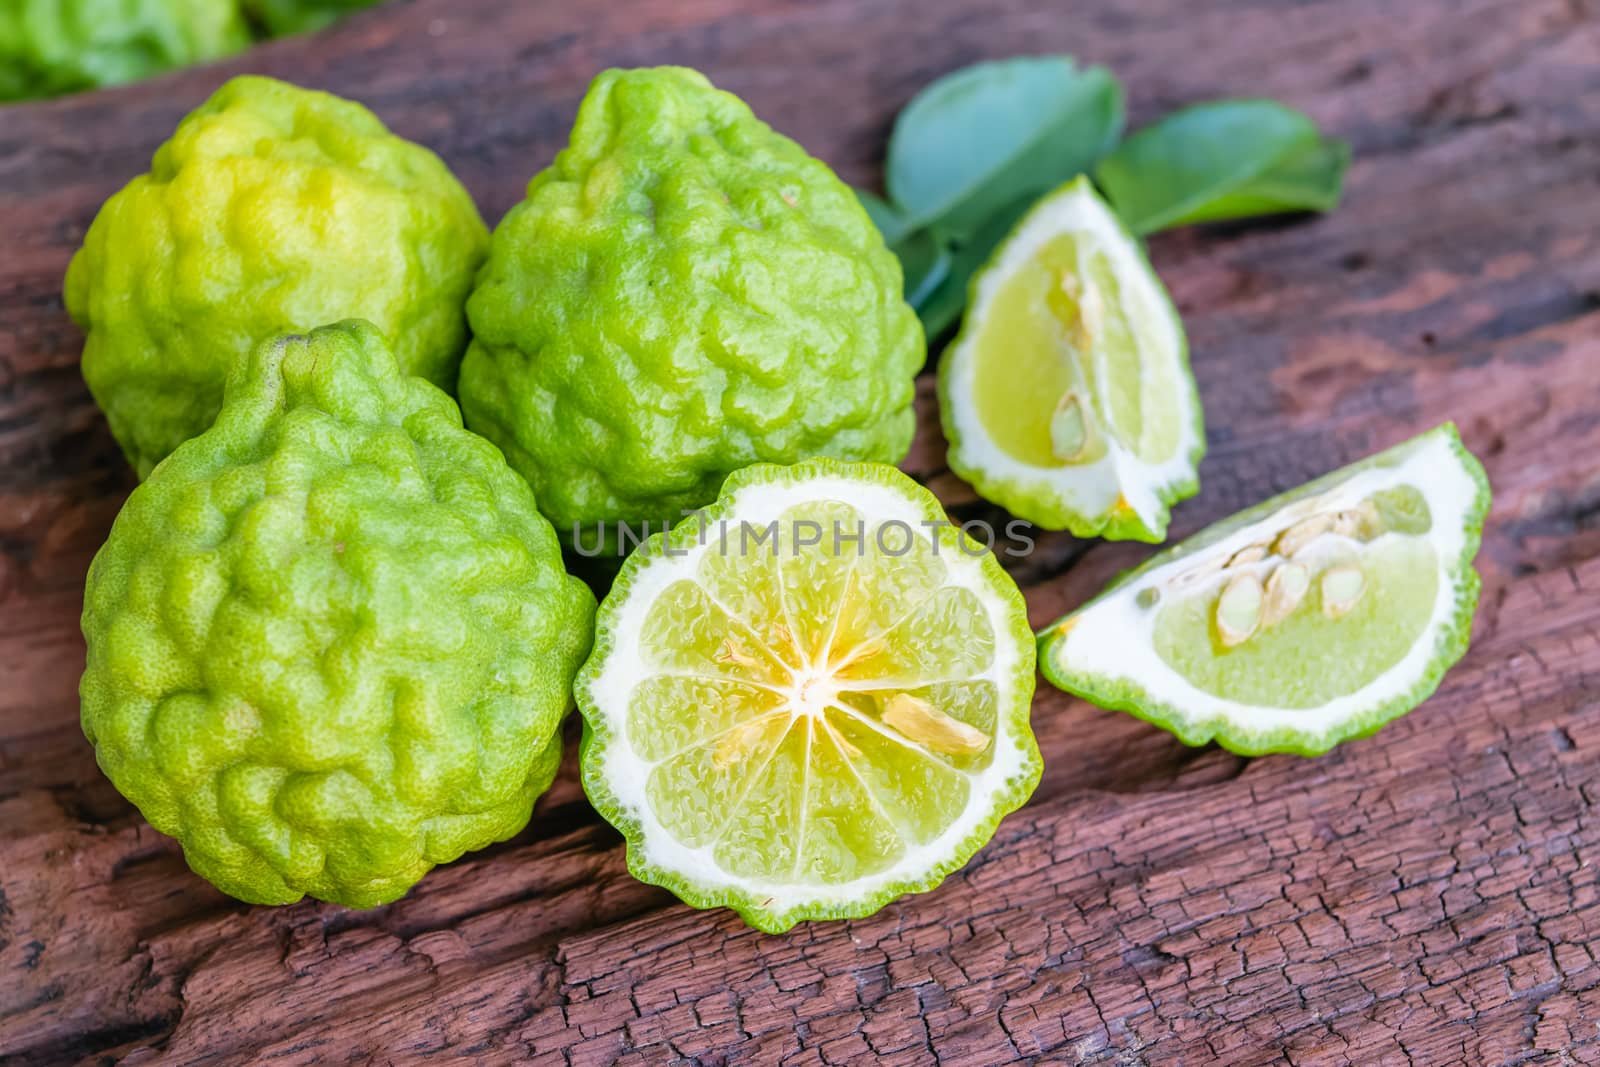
(1425, 896)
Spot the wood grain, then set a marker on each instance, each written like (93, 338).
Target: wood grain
(1425, 896)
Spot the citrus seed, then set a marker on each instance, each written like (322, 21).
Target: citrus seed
(1069, 429)
(1302, 534)
(1239, 610)
(1286, 588)
(1360, 523)
(1247, 555)
(1342, 587)
(927, 725)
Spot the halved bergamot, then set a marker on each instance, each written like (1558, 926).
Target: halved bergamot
(1313, 618)
(1067, 397)
(809, 699)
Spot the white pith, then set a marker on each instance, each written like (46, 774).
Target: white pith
(1113, 638)
(1089, 489)
(627, 775)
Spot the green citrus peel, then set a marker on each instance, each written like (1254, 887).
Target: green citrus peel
(684, 292)
(330, 640)
(272, 209)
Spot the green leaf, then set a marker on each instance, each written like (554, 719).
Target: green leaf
(944, 305)
(889, 221)
(990, 134)
(924, 255)
(925, 258)
(1227, 159)
(1309, 179)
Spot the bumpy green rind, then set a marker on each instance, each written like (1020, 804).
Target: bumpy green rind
(282, 17)
(51, 47)
(330, 641)
(684, 292)
(1025, 501)
(272, 209)
(597, 736)
(1125, 694)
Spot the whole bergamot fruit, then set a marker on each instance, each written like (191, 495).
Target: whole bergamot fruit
(330, 640)
(272, 209)
(281, 17)
(684, 292)
(51, 47)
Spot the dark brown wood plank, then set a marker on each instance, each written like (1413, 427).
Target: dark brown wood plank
(1424, 896)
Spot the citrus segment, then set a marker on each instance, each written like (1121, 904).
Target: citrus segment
(811, 726)
(1067, 396)
(1315, 617)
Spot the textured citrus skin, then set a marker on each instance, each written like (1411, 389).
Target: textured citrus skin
(330, 641)
(280, 17)
(50, 47)
(272, 209)
(684, 292)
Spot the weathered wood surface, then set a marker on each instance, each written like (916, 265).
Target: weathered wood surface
(1425, 896)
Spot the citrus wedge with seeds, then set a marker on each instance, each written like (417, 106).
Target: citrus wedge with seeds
(1313, 618)
(809, 699)
(1067, 396)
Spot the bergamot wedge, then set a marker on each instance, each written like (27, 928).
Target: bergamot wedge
(1067, 396)
(809, 699)
(684, 292)
(51, 47)
(272, 209)
(330, 640)
(1313, 618)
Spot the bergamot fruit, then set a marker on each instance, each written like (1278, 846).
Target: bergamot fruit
(51, 47)
(1067, 396)
(810, 699)
(282, 17)
(683, 293)
(330, 640)
(272, 209)
(1315, 617)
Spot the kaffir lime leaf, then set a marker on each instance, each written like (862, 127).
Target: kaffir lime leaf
(1067, 397)
(1315, 617)
(802, 725)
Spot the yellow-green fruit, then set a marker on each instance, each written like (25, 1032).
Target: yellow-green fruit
(272, 209)
(684, 292)
(51, 47)
(330, 640)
